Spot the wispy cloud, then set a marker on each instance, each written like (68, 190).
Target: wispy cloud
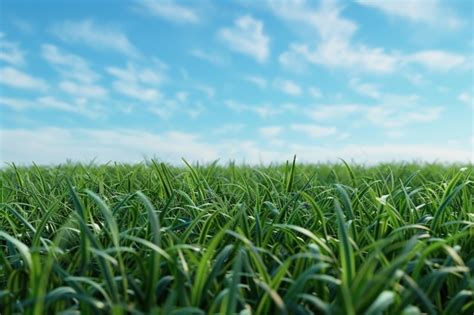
(228, 129)
(415, 78)
(263, 110)
(56, 145)
(69, 65)
(335, 47)
(168, 106)
(293, 61)
(346, 55)
(313, 131)
(325, 19)
(466, 98)
(247, 37)
(169, 10)
(152, 75)
(16, 103)
(139, 83)
(18, 79)
(315, 92)
(431, 12)
(270, 131)
(338, 111)
(366, 89)
(83, 89)
(164, 109)
(256, 80)
(392, 111)
(10, 52)
(95, 35)
(76, 106)
(206, 89)
(211, 57)
(195, 111)
(390, 117)
(437, 60)
(288, 87)
(137, 91)
(23, 25)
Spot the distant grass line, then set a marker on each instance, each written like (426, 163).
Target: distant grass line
(393, 238)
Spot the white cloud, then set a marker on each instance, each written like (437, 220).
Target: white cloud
(83, 90)
(208, 90)
(431, 12)
(343, 136)
(164, 109)
(230, 128)
(56, 145)
(69, 65)
(325, 19)
(137, 91)
(209, 57)
(270, 131)
(334, 111)
(95, 35)
(182, 96)
(437, 60)
(15, 103)
(23, 25)
(392, 111)
(466, 97)
(415, 78)
(335, 53)
(132, 73)
(288, 87)
(315, 92)
(363, 153)
(394, 134)
(78, 106)
(247, 37)
(53, 103)
(138, 82)
(195, 111)
(11, 53)
(345, 55)
(258, 81)
(169, 10)
(15, 78)
(264, 110)
(390, 117)
(335, 48)
(313, 131)
(366, 89)
(293, 61)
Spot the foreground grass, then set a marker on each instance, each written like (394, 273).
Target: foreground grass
(322, 239)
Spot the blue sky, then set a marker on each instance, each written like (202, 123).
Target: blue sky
(253, 81)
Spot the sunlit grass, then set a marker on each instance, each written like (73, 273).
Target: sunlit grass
(285, 239)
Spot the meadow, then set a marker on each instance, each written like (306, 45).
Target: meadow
(152, 238)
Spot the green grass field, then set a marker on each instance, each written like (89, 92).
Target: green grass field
(285, 239)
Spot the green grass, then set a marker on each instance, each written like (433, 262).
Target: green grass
(282, 239)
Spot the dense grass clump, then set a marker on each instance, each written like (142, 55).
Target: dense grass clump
(285, 239)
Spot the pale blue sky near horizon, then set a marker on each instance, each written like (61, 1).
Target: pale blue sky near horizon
(250, 81)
